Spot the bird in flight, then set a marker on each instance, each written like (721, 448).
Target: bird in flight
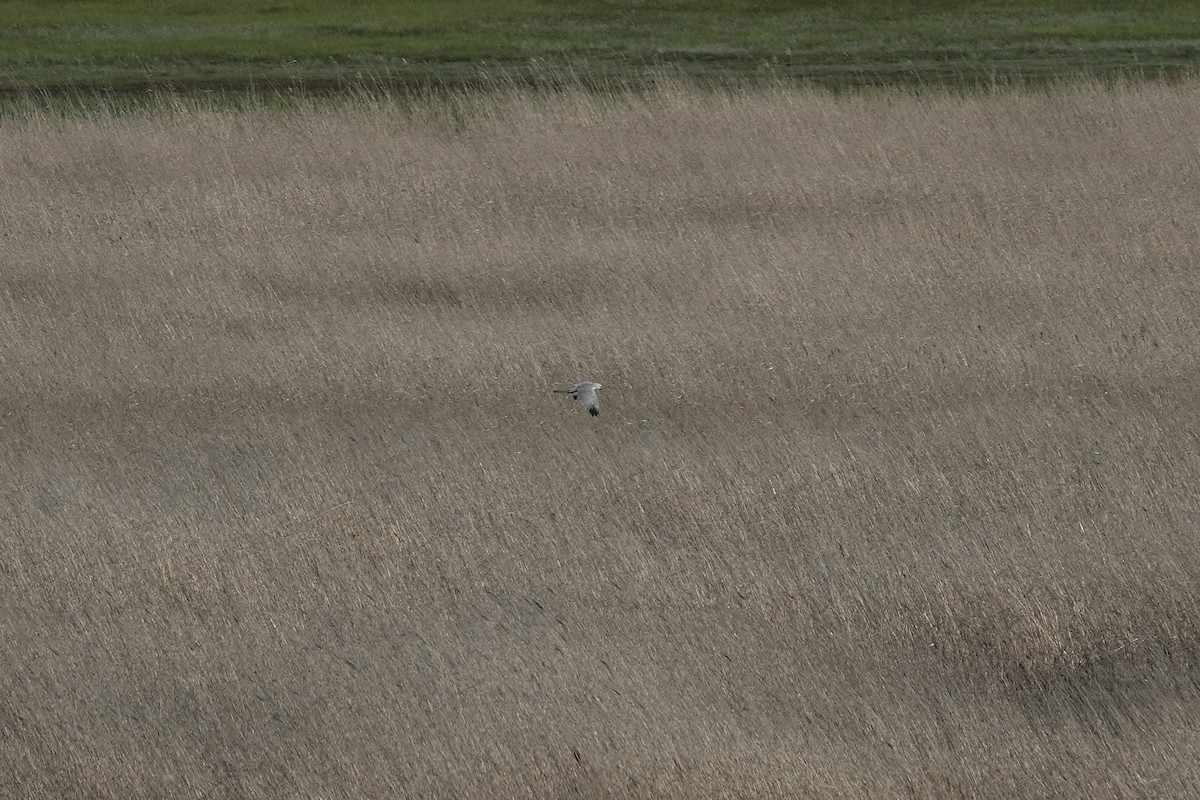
(585, 393)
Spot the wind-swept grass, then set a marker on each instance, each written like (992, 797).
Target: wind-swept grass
(893, 492)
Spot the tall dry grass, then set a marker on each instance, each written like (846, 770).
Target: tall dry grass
(894, 492)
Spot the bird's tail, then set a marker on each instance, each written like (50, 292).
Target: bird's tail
(563, 391)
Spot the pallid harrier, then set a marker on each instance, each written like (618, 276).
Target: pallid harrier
(585, 393)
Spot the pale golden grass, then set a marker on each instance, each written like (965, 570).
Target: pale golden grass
(893, 492)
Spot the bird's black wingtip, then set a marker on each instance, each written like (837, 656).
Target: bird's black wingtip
(595, 412)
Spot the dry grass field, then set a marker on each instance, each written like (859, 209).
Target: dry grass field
(893, 493)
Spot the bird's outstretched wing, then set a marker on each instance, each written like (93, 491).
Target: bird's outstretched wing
(587, 396)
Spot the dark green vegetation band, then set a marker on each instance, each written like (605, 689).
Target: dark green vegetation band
(129, 46)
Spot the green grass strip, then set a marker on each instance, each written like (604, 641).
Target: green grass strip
(134, 45)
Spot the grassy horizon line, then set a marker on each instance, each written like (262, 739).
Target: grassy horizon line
(135, 46)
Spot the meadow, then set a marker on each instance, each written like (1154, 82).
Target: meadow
(125, 47)
(893, 492)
